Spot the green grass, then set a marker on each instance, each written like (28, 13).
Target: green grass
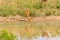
(17, 7)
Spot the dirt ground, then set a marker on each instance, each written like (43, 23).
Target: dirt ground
(49, 18)
(20, 18)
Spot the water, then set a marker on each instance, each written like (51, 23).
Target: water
(44, 38)
(19, 26)
(18, 37)
(38, 38)
(41, 38)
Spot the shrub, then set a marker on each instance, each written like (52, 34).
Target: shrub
(6, 10)
(58, 6)
(58, 13)
(7, 36)
(47, 14)
(32, 13)
(38, 5)
(21, 12)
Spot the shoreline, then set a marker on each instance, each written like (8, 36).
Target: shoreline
(20, 18)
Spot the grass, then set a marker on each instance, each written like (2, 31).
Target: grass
(14, 7)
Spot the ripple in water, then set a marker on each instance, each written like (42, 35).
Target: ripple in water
(39, 38)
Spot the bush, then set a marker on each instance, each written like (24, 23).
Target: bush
(47, 14)
(6, 10)
(58, 6)
(38, 5)
(21, 12)
(7, 36)
(9, 8)
(58, 13)
(32, 13)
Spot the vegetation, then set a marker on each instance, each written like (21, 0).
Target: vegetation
(5, 35)
(18, 7)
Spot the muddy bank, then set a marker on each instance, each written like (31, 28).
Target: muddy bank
(12, 18)
(20, 18)
(48, 18)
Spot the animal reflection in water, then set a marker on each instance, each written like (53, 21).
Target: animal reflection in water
(45, 36)
(40, 37)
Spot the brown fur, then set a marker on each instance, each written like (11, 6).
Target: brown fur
(44, 0)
